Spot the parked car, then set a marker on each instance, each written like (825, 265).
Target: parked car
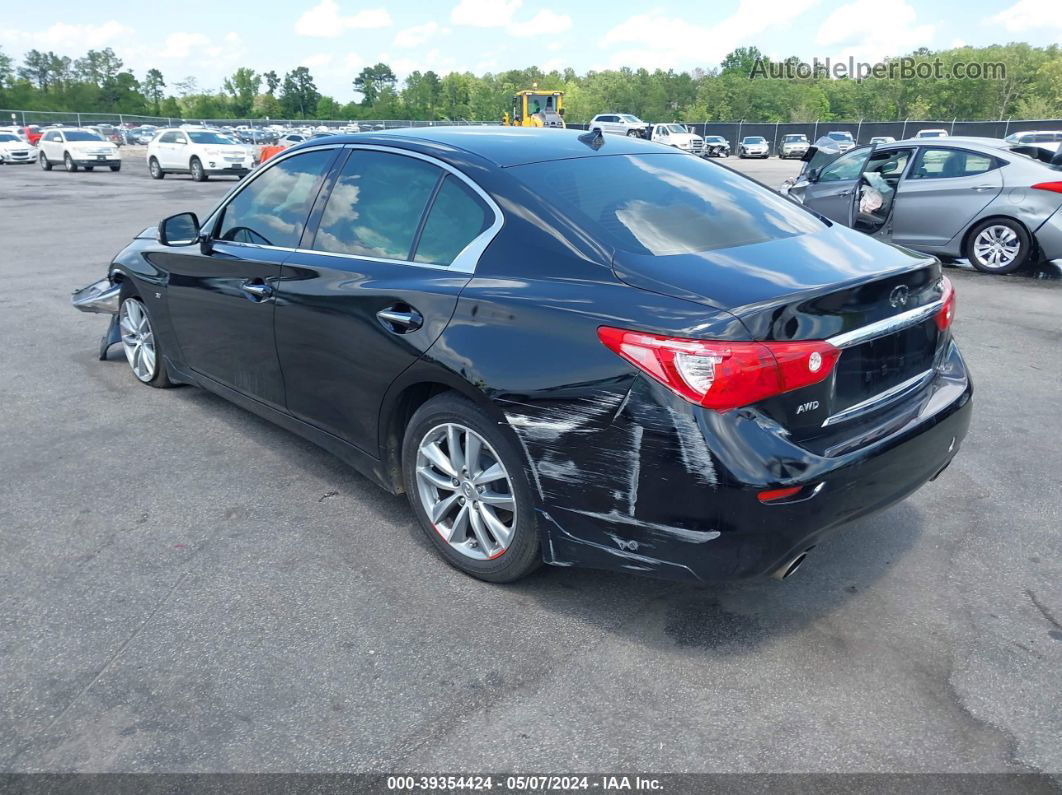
(843, 139)
(932, 133)
(619, 124)
(793, 145)
(291, 139)
(678, 136)
(882, 139)
(76, 148)
(1045, 139)
(143, 134)
(18, 132)
(754, 146)
(709, 380)
(716, 146)
(964, 197)
(14, 150)
(196, 151)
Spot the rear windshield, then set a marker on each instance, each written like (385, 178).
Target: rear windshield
(665, 204)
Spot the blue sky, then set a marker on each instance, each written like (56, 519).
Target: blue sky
(335, 38)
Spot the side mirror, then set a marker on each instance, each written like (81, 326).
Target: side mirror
(179, 230)
(813, 175)
(561, 111)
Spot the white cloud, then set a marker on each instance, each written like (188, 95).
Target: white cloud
(324, 20)
(1029, 15)
(656, 40)
(68, 38)
(419, 34)
(181, 45)
(485, 13)
(541, 24)
(857, 30)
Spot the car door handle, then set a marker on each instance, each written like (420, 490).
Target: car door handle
(401, 319)
(258, 291)
(845, 192)
(984, 187)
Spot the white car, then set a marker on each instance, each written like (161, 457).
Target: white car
(1045, 139)
(197, 151)
(620, 124)
(754, 146)
(14, 150)
(76, 148)
(793, 145)
(678, 136)
(882, 139)
(843, 139)
(932, 133)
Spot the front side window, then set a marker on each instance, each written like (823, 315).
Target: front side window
(272, 209)
(456, 218)
(168, 138)
(664, 204)
(948, 163)
(845, 167)
(375, 208)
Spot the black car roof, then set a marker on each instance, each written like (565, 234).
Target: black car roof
(503, 146)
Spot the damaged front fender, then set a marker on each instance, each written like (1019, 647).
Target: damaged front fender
(102, 298)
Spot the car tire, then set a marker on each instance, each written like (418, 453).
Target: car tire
(139, 341)
(68, 163)
(155, 169)
(633, 134)
(117, 167)
(44, 162)
(198, 172)
(439, 418)
(998, 245)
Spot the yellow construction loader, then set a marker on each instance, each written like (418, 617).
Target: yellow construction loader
(535, 108)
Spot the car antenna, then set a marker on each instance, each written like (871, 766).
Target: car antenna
(595, 139)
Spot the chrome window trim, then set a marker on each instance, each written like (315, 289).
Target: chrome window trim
(893, 393)
(887, 326)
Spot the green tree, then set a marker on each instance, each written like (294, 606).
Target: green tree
(154, 86)
(299, 94)
(272, 82)
(742, 60)
(243, 87)
(372, 80)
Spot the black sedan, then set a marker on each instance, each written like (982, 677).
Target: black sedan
(564, 347)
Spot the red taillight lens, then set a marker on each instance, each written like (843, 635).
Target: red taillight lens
(1055, 187)
(720, 374)
(947, 312)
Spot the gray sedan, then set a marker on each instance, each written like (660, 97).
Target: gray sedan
(980, 198)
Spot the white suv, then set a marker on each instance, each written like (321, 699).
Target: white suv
(196, 151)
(75, 149)
(620, 124)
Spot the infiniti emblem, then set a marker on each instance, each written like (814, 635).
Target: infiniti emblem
(899, 295)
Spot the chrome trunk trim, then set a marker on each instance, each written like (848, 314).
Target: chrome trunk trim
(894, 393)
(883, 328)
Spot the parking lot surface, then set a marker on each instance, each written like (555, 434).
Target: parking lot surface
(184, 587)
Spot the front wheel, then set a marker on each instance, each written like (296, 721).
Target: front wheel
(69, 163)
(998, 245)
(632, 133)
(44, 162)
(140, 345)
(467, 485)
(117, 167)
(198, 172)
(155, 169)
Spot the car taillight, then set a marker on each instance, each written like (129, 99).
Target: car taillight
(947, 312)
(1056, 187)
(720, 374)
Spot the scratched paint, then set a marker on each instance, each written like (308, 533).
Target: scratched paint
(693, 449)
(615, 517)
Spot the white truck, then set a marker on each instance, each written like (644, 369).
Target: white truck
(678, 136)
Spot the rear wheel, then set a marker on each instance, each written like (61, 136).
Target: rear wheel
(155, 169)
(44, 162)
(198, 172)
(140, 345)
(467, 486)
(69, 163)
(998, 245)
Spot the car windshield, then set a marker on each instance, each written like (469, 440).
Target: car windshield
(795, 138)
(206, 137)
(931, 134)
(755, 139)
(8, 138)
(715, 139)
(840, 136)
(664, 204)
(81, 135)
(675, 128)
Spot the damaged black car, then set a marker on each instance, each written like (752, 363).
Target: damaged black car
(565, 348)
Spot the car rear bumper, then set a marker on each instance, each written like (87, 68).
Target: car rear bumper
(1049, 236)
(689, 509)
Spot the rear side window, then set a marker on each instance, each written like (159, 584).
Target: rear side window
(272, 210)
(665, 203)
(456, 218)
(946, 163)
(376, 206)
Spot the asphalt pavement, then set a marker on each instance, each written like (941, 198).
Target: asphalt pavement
(185, 587)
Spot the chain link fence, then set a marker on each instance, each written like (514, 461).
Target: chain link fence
(42, 118)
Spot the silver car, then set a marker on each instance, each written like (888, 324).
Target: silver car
(979, 198)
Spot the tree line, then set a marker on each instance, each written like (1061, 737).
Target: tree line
(100, 82)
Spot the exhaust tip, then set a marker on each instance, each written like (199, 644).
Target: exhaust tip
(789, 569)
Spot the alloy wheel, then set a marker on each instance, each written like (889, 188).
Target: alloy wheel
(138, 340)
(466, 491)
(997, 246)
